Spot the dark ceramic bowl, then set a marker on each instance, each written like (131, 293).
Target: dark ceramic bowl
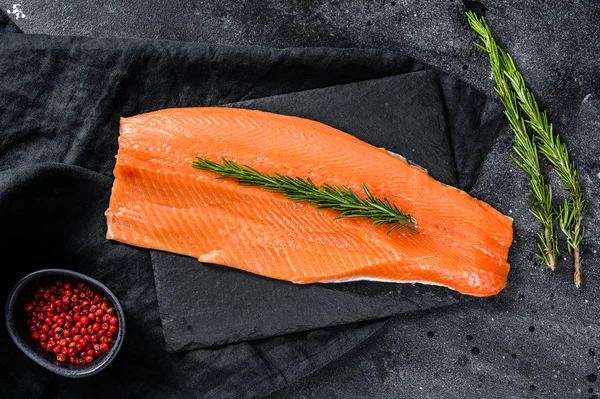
(16, 317)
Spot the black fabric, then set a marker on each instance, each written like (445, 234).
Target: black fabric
(60, 103)
(65, 205)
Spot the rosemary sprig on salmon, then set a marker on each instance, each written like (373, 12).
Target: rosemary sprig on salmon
(521, 110)
(340, 199)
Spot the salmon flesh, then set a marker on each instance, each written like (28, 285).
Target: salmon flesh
(160, 201)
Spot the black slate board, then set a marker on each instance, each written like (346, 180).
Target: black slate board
(60, 101)
(206, 305)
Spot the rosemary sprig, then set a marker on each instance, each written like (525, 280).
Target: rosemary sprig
(343, 199)
(527, 154)
(571, 212)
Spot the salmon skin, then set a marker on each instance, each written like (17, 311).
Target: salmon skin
(160, 201)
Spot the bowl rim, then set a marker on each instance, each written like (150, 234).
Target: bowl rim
(10, 308)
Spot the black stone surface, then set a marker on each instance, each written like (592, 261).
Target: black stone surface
(539, 338)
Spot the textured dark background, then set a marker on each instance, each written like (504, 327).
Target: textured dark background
(538, 338)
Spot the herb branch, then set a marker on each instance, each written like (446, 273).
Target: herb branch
(527, 158)
(570, 214)
(340, 199)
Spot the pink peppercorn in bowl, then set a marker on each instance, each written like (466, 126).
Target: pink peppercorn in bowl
(65, 321)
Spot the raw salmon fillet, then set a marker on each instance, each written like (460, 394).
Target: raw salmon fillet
(160, 201)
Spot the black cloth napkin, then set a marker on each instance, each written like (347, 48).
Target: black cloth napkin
(60, 102)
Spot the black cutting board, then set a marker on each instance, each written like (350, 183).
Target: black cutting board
(206, 305)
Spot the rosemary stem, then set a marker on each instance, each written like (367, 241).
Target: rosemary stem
(577, 274)
(550, 249)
